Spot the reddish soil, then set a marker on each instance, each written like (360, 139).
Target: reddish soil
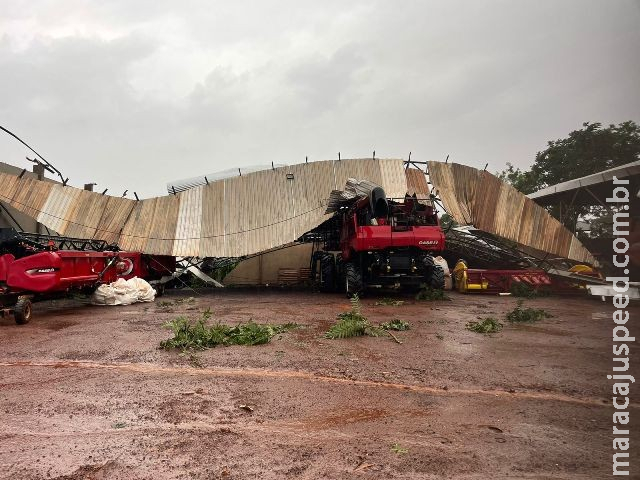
(85, 392)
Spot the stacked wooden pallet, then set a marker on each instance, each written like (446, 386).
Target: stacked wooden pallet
(293, 276)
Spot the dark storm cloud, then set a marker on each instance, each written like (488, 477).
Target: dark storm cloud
(134, 94)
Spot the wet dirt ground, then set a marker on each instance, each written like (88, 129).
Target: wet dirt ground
(85, 392)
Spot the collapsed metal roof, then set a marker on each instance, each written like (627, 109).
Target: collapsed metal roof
(246, 214)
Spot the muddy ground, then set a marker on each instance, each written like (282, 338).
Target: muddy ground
(85, 392)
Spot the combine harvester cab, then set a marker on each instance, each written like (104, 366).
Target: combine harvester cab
(381, 242)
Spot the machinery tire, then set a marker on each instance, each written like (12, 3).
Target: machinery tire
(159, 288)
(436, 279)
(22, 311)
(427, 263)
(327, 273)
(434, 274)
(353, 280)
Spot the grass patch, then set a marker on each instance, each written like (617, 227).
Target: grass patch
(488, 325)
(395, 324)
(431, 294)
(526, 315)
(390, 302)
(199, 335)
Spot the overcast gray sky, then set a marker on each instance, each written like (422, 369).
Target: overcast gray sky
(132, 95)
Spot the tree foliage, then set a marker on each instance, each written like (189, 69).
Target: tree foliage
(585, 151)
(591, 149)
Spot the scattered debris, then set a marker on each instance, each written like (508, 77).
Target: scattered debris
(188, 335)
(390, 302)
(119, 425)
(488, 325)
(527, 315)
(395, 324)
(247, 408)
(431, 294)
(354, 324)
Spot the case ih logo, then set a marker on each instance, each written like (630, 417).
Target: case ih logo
(428, 242)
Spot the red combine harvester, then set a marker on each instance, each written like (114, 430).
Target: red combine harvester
(36, 267)
(375, 241)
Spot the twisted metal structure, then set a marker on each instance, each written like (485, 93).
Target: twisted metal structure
(254, 212)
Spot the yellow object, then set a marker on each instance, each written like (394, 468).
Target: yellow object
(581, 269)
(462, 279)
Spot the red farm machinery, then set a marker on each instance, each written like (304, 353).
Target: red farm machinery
(36, 267)
(373, 241)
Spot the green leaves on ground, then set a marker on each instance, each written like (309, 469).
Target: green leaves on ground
(348, 326)
(395, 324)
(488, 325)
(390, 302)
(354, 324)
(430, 294)
(526, 315)
(198, 335)
(517, 315)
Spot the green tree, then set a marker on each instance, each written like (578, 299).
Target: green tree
(589, 150)
(522, 181)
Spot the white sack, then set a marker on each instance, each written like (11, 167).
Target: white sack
(448, 282)
(124, 292)
(443, 264)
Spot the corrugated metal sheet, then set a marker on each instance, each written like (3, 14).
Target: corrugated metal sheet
(416, 182)
(258, 211)
(230, 217)
(480, 199)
